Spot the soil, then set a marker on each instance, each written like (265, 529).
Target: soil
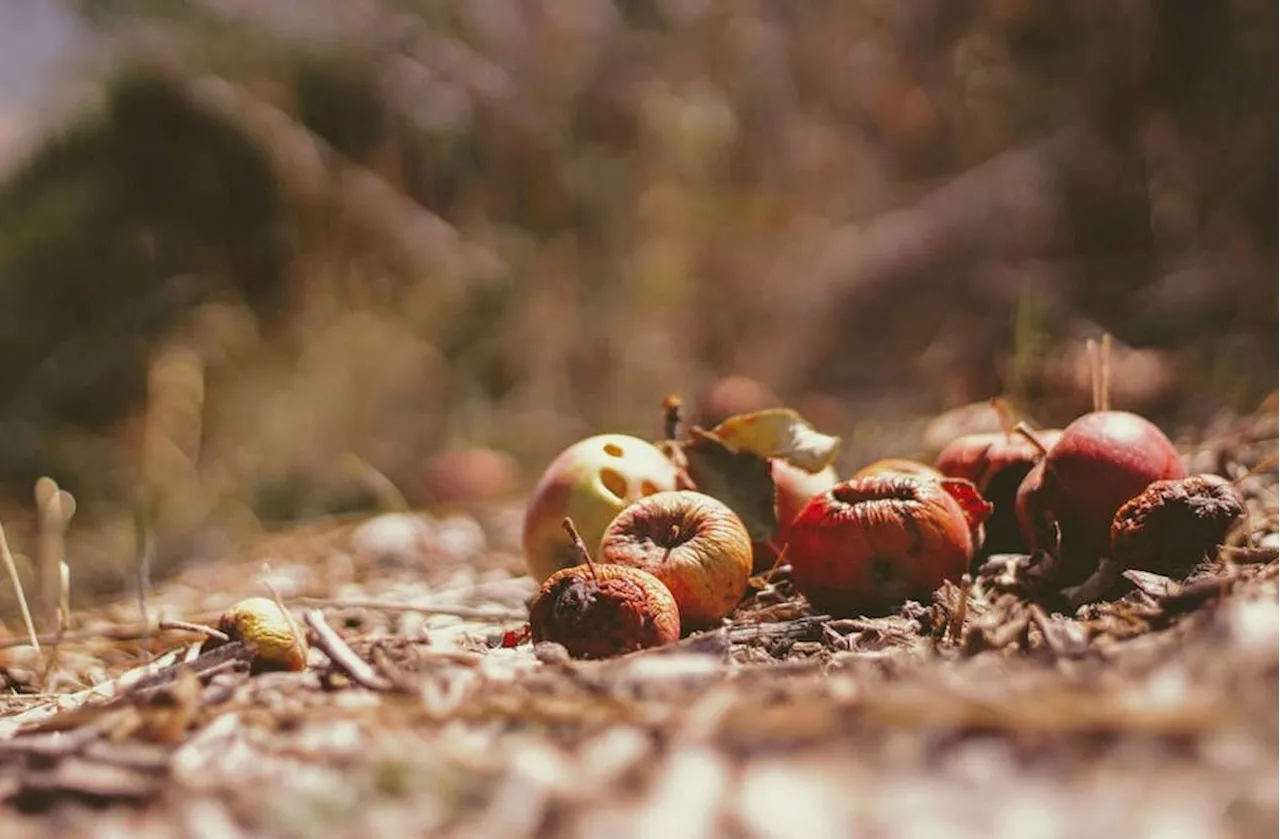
(996, 709)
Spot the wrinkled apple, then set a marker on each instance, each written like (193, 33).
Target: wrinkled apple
(693, 543)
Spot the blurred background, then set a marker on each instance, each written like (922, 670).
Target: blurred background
(267, 260)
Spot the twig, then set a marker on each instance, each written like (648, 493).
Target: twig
(465, 612)
(331, 643)
(198, 628)
(1095, 374)
(146, 548)
(1104, 366)
(12, 568)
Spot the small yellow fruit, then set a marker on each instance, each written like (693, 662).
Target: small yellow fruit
(278, 640)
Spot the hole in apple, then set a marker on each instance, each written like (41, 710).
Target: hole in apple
(648, 487)
(613, 449)
(614, 483)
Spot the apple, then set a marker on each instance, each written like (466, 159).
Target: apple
(871, 543)
(591, 482)
(793, 487)
(996, 463)
(695, 544)
(597, 611)
(275, 636)
(1172, 526)
(1102, 460)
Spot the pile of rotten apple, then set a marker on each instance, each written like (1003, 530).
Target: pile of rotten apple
(636, 543)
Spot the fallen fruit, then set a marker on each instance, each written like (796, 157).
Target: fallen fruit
(996, 463)
(1172, 526)
(590, 482)
(278, 640)
(793, 487)
(597, 610)
(1102, 460)
(871, 543)
(696, 545)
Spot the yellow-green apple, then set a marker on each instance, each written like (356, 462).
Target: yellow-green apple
(590, 482)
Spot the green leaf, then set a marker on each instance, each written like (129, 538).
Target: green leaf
(781, 433)
(743, 480)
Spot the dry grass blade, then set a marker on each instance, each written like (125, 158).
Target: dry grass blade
(12, 568)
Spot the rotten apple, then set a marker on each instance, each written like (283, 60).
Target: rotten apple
(871, 543)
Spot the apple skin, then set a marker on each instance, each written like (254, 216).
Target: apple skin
(695, 544)
(598, 611)
(996, 463)
(793, 487)
(871, 543)
(1102, 460)
(591, 482)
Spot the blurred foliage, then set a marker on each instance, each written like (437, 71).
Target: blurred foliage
(655, 180)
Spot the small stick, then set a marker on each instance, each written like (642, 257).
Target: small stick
(12, 568)
(1095, 376)
(671, 410)
(1104, 365)
(466, 612)
(198, 628)
(341, 654)
(578, 544)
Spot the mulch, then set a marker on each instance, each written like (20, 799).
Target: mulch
(990, 711)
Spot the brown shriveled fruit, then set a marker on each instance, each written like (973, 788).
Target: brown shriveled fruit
(598, 610)
(1173, 525)
(695, 544)
(278, 640)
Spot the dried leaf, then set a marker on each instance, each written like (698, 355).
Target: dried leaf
(742, 480)
(781, 433)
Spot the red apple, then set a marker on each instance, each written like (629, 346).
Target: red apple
(1102, 460)
(996, 463)
(871, 543)
(590, 482)
(793, 487)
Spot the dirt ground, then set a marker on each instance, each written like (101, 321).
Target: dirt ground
(987, 712)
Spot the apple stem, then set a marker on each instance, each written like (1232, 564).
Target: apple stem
(1104, 366)
(1033, 438)
(1095, 375)
(1004, 414)
(578, 544)
(671, 418)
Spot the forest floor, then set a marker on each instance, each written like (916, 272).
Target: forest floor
(422, 712)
